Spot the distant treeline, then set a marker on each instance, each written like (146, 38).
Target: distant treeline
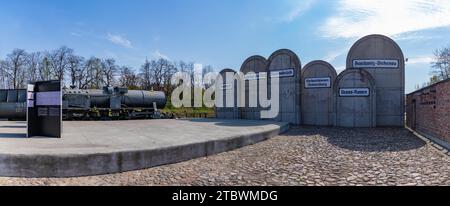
(20, 67)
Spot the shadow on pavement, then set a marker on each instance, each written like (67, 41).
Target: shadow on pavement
(364, 139)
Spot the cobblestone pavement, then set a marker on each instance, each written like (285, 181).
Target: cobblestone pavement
(303, 156)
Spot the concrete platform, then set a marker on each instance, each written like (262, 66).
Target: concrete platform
(93, 148)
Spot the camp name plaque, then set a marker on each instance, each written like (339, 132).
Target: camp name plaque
(354, 92)
(313, 83)
(282, 73)
(376, 63)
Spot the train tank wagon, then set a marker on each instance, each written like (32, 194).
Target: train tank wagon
(13, 104)
(112, 103)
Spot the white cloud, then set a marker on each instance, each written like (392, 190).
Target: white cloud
(338, 52)
(414, 36)
(339, 69)
(420, 60)
(333, 55)
(298, 9)
(159, 55)
(120, 40)
(357, 18)
(75, 34)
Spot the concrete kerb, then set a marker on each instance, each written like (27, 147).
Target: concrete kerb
(78, 165)
(444, 150)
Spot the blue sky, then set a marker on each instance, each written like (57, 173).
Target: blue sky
(223, 33)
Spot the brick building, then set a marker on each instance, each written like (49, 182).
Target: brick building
(428, 111)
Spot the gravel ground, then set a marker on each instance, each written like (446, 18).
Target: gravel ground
(303, 156)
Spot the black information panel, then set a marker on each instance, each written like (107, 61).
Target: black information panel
(44, 109)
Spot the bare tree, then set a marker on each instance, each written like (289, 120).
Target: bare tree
(205, 71)
(93, 73)
(146, 75)
(16, 68)
(109, 70)
(157, 70)
(59, 61)
(75, 69)
(83, 77)
(157, 74)
(93, 77)
(128, 78)
(167, 75)
(441, 66)
(45, 71)
(3, 75)
(34, 63)
(434, 79)
(189, 69)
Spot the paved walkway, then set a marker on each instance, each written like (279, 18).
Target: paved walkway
(104, 147)
(92, 137)
(303, 156)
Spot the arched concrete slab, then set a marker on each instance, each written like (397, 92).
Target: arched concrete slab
(254, 64)
(228, 89)
(285, 60)
(355, 93)
(318, 107)
(389, 75)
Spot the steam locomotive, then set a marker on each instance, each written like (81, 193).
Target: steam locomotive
(13, 104)
(110, 103)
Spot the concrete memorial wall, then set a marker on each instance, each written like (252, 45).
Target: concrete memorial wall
(251, 69)
(318, 104)
(286, 65)
(383, 59)
(355, 94)
(369, 93)
(227, 95)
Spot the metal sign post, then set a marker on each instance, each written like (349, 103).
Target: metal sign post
(44, 116)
